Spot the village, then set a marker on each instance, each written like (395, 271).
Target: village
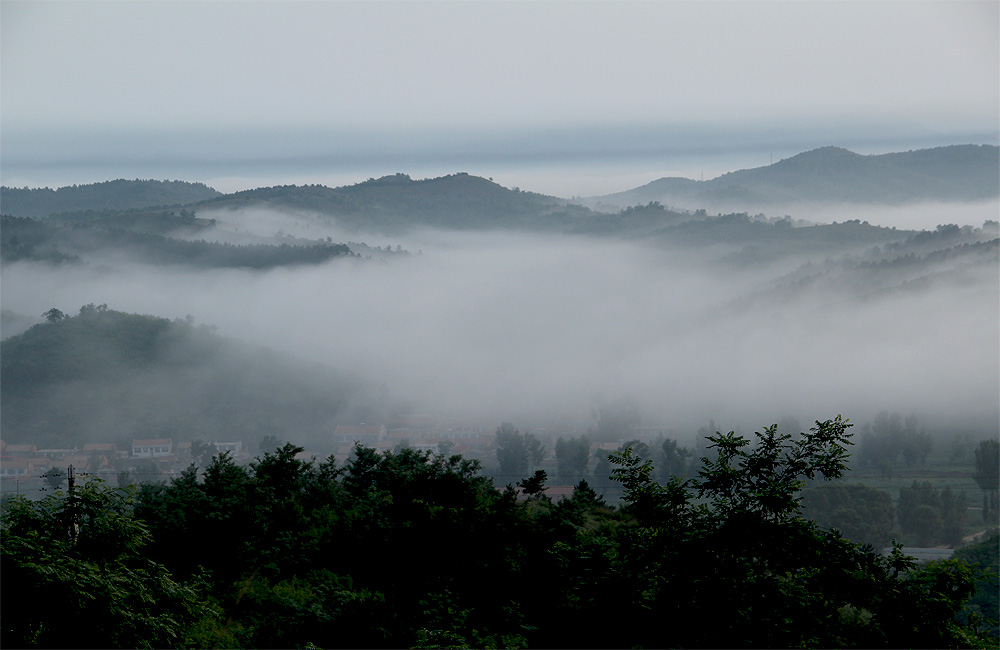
(28, 470)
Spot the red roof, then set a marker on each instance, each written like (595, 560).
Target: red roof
(100, 446)
(358, 430)
(18, 448)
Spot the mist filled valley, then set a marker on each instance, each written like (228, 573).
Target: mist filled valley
(474, 302)
(341, 378)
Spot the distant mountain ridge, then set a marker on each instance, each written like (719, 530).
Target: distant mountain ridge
(833, 174)
(397, 202)
(113, 195)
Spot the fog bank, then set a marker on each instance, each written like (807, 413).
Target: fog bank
(526, 326)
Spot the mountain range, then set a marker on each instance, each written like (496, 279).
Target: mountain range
(963, 173)
(833, 175)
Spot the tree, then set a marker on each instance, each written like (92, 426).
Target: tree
(767, 479)
(512, 451)
(54, 315)
(771, 578)
(572, 457)
(534, 487)
(919, 512)
(602, 475)
(985, 603)
(536, 450)
(98, 590)
(888, 437)
(954, 508)
(55, 478)
(674, 459)
(988, 476)
(860, 513)
(269, 444)
(202, 452)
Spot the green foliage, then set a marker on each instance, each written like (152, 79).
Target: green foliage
(766, 480)
(984, 558)
(674, 459)
(53, 315)
(988, 465)
(889, 438)
(572, 457)
(75, 575)
(55, 478)
(931, 516)
(415, 549)
(512, 452)
(860, 513)
(771, 578)
(988, 478)
(269, 444)
(534, 487)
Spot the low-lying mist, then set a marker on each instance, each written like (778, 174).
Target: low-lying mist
(530, 327)
(915, 216)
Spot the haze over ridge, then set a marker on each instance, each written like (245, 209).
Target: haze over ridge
(715, 317)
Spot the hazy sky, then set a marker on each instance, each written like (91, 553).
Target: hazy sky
(330, 89)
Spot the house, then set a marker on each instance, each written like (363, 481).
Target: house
(56, 454)
(20, 451)
(107, 449)
(23, 467)
(88, 462)
(152, 448)
(234, 448)
(364, 433)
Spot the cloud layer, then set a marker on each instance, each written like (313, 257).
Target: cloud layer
(522, 326)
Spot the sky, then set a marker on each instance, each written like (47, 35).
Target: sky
(576, 98)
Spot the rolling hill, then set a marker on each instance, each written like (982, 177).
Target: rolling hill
(117, 195)
(836, 175)
(109, 376)
(396, 203)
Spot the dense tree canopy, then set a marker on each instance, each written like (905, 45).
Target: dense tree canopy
(415, 549)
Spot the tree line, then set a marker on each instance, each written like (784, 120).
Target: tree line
(416, 549)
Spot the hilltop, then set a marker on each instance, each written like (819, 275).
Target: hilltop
(397, 202)
(106, 374)
(833, 174)
(116, 195)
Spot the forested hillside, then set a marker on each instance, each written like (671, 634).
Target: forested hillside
(397, 203)
(117, 195)
(49, 241)
(108, 376)
(833, 174)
